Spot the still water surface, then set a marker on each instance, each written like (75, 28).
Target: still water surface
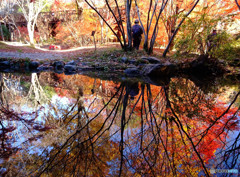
(58, 125)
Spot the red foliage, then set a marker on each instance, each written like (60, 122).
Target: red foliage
(54, 47)
(24, 34)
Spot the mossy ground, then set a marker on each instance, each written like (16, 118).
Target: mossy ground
(106, 57)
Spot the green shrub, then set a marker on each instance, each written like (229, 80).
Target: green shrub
(227, 48)
(6, 32)
(193, 38)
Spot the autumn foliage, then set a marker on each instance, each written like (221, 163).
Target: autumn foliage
(79, 32)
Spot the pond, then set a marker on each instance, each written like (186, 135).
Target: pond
(75, 125)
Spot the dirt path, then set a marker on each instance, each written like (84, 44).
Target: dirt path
(19, 51)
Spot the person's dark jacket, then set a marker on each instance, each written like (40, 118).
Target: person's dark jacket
(137, 31)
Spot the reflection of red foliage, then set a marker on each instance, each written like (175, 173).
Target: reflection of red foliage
(217, 132)
(197, 126)
(62, 92)
(207, 124)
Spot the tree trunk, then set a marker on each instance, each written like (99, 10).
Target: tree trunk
(36, 91)
(101, 23)
(95, 45)
(145, 45)
(129, 28)
(237, 4)
(30, 33)
(155, 31)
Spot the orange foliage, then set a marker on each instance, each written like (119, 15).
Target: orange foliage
(79, 81)
(60, 5)
(79, 32)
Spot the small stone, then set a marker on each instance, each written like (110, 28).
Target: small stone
(132, 61)
(152, 60)
(44, 68)
(85, 63)
(124, 59)
(131, 66)
(143, 61)
(70, 68)
(58, 71)
(4, 64)
(167, 63)
(132, 72)
(86, 68)
(33, 64)
(58, 64)
(237, 60)
(156, 70)
(71, 63)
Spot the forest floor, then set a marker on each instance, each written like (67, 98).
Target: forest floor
(107, 56)
(15, 50)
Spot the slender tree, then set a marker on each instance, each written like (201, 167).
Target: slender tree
(170, 16)
(155, 30)
(152, 13)
(31, 10)
(237, 4)
(118, 16)
(128, 5)
(1, 31)
(176, 30)
(7, 13)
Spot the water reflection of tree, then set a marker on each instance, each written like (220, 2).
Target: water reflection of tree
(15, 124)
(36, 94)
(141, 129)
(9, 88)
(174, 128)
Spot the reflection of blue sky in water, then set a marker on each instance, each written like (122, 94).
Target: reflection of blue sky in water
(63, 105)
(230, 140)
(231, 136)
(21, 134)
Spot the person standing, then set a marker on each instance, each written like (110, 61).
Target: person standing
(137, 32)
(212, 40)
